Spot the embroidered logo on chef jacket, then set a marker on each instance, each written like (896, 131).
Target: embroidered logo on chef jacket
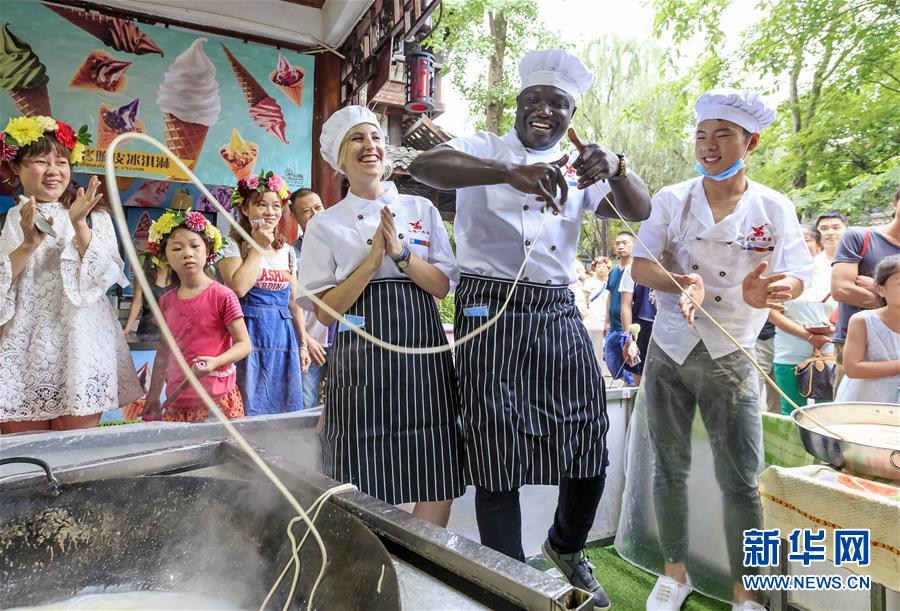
(759, 238)
(418, 234)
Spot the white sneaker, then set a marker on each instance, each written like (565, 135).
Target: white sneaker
(747, 605)
(668, 594)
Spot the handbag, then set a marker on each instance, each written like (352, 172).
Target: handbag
(815, 376)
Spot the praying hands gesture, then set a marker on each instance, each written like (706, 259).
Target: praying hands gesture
(392, 245)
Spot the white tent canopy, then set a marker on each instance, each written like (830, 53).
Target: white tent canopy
(278, 20)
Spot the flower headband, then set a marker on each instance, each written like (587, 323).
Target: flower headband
(193, 220)
(266, 181)
(22, 131)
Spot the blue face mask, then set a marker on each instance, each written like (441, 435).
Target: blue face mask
(734, 169)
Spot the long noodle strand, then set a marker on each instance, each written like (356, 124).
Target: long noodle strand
(119, 216)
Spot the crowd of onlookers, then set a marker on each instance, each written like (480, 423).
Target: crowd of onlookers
(818, 329)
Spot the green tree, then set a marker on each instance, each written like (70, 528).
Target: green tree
(475, 35)
(837, 138)
(632, 109)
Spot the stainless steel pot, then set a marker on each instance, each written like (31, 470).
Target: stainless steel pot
(853, 453)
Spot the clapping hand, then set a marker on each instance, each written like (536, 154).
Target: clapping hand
(85, 201)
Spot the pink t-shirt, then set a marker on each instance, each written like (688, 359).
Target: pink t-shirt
(199, 325)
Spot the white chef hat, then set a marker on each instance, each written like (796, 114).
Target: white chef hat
(742, 106)
(337, 126)
(557, 68)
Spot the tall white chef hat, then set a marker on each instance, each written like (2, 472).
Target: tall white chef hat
(557, 68)
(337, 126)
(742, 106)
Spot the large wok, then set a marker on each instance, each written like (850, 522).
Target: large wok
(854, 453)
(219, 537)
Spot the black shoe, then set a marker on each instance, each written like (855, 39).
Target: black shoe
(579, 572)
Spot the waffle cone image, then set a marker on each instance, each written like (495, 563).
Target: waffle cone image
(250, 87)
(120, 34)
(264, 110)
(183, 138)
(294, 92)
(32, 102)
(101, 71)
(240, 169)
(106, 134)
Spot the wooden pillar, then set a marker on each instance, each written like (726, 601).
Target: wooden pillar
(327, 100)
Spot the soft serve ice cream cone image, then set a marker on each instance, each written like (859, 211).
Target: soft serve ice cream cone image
(189, 100)
(289, 79)
(240, 156)
(23, 76)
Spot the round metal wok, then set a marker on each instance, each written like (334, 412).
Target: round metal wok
(217, 537)
(854, 453)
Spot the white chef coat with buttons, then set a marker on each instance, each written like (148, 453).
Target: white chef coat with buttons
(338, 239)
(495, 224)
(682, 234)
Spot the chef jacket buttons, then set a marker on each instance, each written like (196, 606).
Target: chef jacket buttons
(359, 216)
(548, 283)
(369, 241)
(552, 248)
(527, 242)
(695, 267)
(722, 274)
(401, 236)
(699, 238)
(525, 207)
(718, 298)
(525, 278)
(556, 213)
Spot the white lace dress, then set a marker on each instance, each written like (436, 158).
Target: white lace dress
(62, 351)
(882, 344)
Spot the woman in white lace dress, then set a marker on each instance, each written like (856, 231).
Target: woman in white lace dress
(63, 356)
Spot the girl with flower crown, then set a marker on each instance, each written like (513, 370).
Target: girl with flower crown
(270, 379)
(381, 259)
(63, 356)
(205, 318)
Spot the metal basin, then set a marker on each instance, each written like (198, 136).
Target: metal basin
(219, 537)
(857, 453)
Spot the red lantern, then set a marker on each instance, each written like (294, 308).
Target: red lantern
(419, 82)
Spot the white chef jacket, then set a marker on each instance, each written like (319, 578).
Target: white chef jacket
(339, 239)
(682, 234)
(496, 224)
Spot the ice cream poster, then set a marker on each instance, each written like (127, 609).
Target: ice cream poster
(227, 108)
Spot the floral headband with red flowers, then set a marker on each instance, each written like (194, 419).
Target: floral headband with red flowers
(22, 131)
(193, 220)
(266, 181)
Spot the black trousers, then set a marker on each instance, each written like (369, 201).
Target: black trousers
(499, 516)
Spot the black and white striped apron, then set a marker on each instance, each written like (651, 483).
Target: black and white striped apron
(531, 390)
(391, 419)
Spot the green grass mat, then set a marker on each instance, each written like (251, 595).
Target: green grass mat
(628, 586)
